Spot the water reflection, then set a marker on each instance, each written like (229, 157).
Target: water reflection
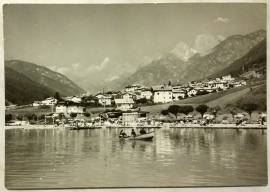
(97, 158)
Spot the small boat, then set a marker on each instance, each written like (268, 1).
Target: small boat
(81, 128)
(145, 137)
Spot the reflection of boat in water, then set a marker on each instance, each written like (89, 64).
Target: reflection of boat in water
(145, 137)
(82, 126)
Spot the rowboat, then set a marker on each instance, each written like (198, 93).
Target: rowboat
(86, 127)
(80, 127)
(145, 137)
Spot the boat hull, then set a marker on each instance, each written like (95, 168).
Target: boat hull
(82, 128)
(144, 137)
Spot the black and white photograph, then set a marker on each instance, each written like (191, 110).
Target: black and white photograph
(142, 95)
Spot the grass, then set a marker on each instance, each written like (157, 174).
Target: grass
(213, 99)
(29, 110)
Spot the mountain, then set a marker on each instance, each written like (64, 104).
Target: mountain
(222, 56)
(255, 59)
(183, 51)
(20, 89)
(45, 77)
(158, 71)
(171, 67)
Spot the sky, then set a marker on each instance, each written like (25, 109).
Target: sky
(91, 44)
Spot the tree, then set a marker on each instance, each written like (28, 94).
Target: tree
(186, 109)
(202, 109)
(87, 114)
(248, 107)
(174, 109)
(164, 112)
(34, 117)
(215, 110)
(42, 117)
(8, 117)
(232, 110)
(29, 116)
(19, 117)
(73, 115)
(57, 96)
(141, 101)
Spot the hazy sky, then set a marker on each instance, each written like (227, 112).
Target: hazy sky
(92, 43)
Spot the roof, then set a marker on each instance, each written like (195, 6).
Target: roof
(129, 93)
(104, 96)
(69, 103)
(178, 91)
(162, 88)
(133, 85)
(123, 101)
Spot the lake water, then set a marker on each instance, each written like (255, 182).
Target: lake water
(62, 158)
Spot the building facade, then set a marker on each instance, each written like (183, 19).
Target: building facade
(162, 94)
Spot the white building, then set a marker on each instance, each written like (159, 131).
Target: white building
(132, 88)
(124, 104)
(192, 93)
(74, 99)
(37, 103)
(228, 78)
(130, 118)
(128, 95)
(146, 94)
(104, 100)
(162, 94)
(178, 94)
(220, 85)
(49, 101)
(68, 108)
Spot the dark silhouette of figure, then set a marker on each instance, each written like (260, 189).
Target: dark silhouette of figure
(122, 133)
(133, 133)
(142, 131)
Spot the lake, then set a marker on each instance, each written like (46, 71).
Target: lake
(61, 158)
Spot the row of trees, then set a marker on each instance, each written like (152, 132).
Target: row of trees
(202, 109)
(28, 116)
(185, 109)
(34, 117)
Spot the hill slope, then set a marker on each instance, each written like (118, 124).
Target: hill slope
(20, 89)
(240, 95)
(45, 77)
(223, 55)
(170, 67)
(255, 59)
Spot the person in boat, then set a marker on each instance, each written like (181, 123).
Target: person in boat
(142, 131)
(133, 133)
(122, 133)
(239, 122)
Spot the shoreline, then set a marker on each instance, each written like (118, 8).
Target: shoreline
(223, 126)
(211, 126)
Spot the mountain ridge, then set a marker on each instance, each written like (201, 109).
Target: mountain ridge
(45, 76)
(172, 68)
(26, 82)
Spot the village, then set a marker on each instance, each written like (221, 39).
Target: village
(123, 108)
(135, 94)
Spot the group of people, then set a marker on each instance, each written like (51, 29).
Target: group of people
(133, 133)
